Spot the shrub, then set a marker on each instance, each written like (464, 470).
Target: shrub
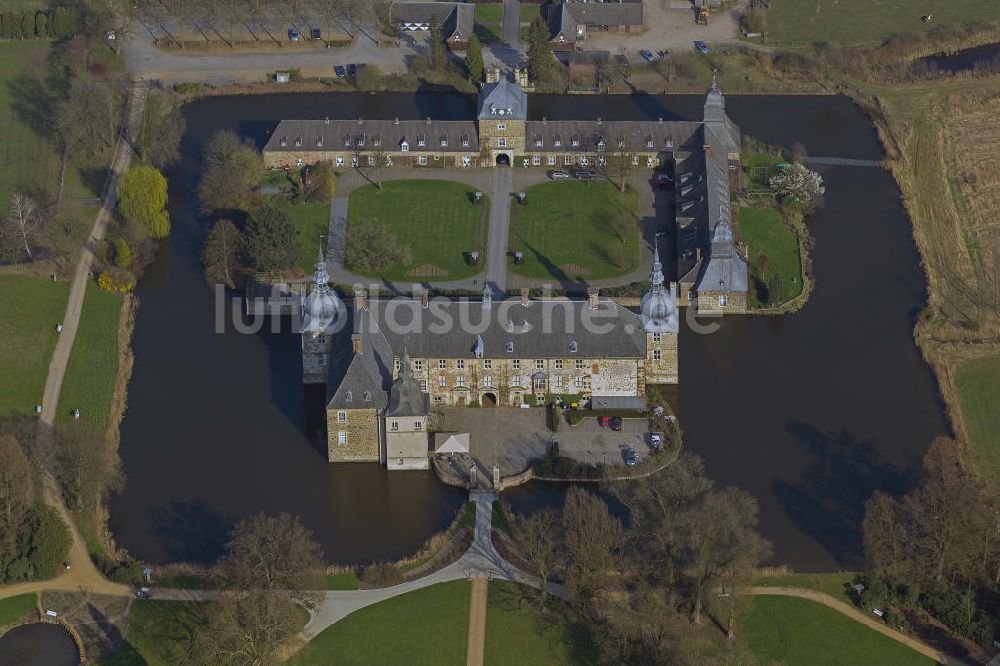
(49, 542)
(372, 247)
(123, 255)
(116, 280)
(381, 575)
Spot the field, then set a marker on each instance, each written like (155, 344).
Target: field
(158, 632)
(564, 233)
(766, 233)
(90, 376)
(14, 607)
(837, 585)
(435, 219)
(428, 626)
(312, 221)
(796, 632)
(31, 309)
(515, 635)
(863, 22)
(978, 384)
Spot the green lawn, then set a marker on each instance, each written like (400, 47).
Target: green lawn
(794, 631)
(489, 13)
(435, 219)
(516, 634)
(312, 221)
(978, 384)
(837, 585)
(14, 607)
(89, 383)
(31, 309)
(866, 22)
(759, 168)
(159, 631)
(428, 626)
(341, 581)
(764, 231)
(564, 233)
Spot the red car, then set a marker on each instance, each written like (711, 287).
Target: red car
(604, 421)
(663, 181)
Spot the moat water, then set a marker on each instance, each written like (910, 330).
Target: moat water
(38, 645)
(811, 412)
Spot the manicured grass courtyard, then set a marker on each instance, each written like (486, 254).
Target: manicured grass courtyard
(31, 309)
(158, 632)
(978, 384)
(435, 219)
(14, 607)
(795, 632)
(312, 224)
(516, 634)
(428, 626)
(89, 382)
(765, 232)
(863, 22)
(564, 232)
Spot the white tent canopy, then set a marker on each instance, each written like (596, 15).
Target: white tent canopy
(453, 443)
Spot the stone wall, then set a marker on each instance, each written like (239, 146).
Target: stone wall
(344, 159)
(708, 302)
(617, 377)
(361, 430)
(664, 369)
(315, 355)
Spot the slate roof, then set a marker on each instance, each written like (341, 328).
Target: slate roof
(457, 18)
(350, 135)
(503, 99)
(638, 135)
(405, 396)
(560, 22)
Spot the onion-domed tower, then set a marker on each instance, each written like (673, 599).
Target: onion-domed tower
(320, 309)
(658, 311)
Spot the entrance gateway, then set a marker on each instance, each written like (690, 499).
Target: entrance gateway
(489, 400)
(503, 159)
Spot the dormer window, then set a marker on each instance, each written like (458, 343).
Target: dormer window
(538, 141)
(420, 140)
(575, 141)
(557, 141)
(298, 141)
(368, 396)
(572, 347)
(404, 146)
(649, 142)
(348, 396)
(510, 347)
(600, 144)
(465, 140)
(319, 142)
(377, 140)
(444, 142)
(283, 141)
(501, 127)
(361, 141)
(347, 141)
(510, 324)
(621, 143)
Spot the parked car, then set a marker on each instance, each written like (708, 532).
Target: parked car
(648, 55)
(655, 440)
(616, 423)
(558, 175)
(315, 33)
(663, 181)
(293, 35)
(701, 46)
(661, 230)
(352, 70)
(144, 593)
(630, 456)
(584, 175)
(340, 71)
(603, 421)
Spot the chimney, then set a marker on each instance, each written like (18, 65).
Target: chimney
(598, 120)
(428, 120)
(361, 120)
(425, 298)
(326, 120)
(360, 300)
(356, 343)
(544, 120)
(592, 298)
(395, 121)
(524, 296)
(673, 289)
(697, 254)
(659, 120)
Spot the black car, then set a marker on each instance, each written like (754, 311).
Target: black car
(663, 181)
(352, 70)
(584, 175)
(316, 33)
(631, 458)
(616, 423)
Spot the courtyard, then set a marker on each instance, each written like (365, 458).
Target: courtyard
(511, 438)
(575, 229)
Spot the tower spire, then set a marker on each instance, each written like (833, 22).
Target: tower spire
(321, 277)
(405, 371)
(656, 275)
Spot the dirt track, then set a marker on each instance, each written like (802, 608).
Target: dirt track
(477, 623)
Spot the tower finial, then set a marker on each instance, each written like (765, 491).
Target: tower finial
(656, 275)
(321, 278)
(715, 82)
(405, 371)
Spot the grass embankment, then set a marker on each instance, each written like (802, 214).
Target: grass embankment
(978, 385)
(775, 264)
(89, 384)
(563, 229)
(31, 309)
(158, 632)
(13, 608)
(435, 219)
(859, 22)
(517, 634)
(428, 626)
(942, 140)
(795, 632)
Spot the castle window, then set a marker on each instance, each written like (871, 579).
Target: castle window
(501, 142)
(573, 347)
(423, 385)
(342, 438)
(516, 364)
(394, 426)
(341, 417)
(368, 396)
(536, 160)
(442, 364)
(460, 364)
(422, 159)
(551, 160)
(578, 382)
(656, 354)
(283, 141)
(501, 127)
(722, 301)
(348, 396)
(418, 364)
(371, 160)
(579, 364)
(510, 347)
(635, 160)
(558, 364)
(691, 294)
(488, 364)
(567, 160)
(443, 381)
(487, 381)
(557, 382)
(459, 381)
(539, 364)
(417, 425)
(322, 360)
(656, 337)
(396, 364)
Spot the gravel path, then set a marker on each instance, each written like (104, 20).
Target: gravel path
(477, 623)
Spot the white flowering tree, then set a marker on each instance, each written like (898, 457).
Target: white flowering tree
(798, 186)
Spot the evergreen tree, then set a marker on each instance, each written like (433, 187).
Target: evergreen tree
(41, 24)
(474, 60)
(270, 239)
(539, 50)
(435, 44)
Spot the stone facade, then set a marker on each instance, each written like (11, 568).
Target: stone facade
(501, 137)
(348, 158)
(721, 302)
(661, 358)
(315, 357)
(406, 442)
(354, 435)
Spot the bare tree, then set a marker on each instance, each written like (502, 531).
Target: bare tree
(538, 537)
(247, 628)
(271, 553)
(24, 223)
(623, 159)
(593, 541)
(16, 492)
